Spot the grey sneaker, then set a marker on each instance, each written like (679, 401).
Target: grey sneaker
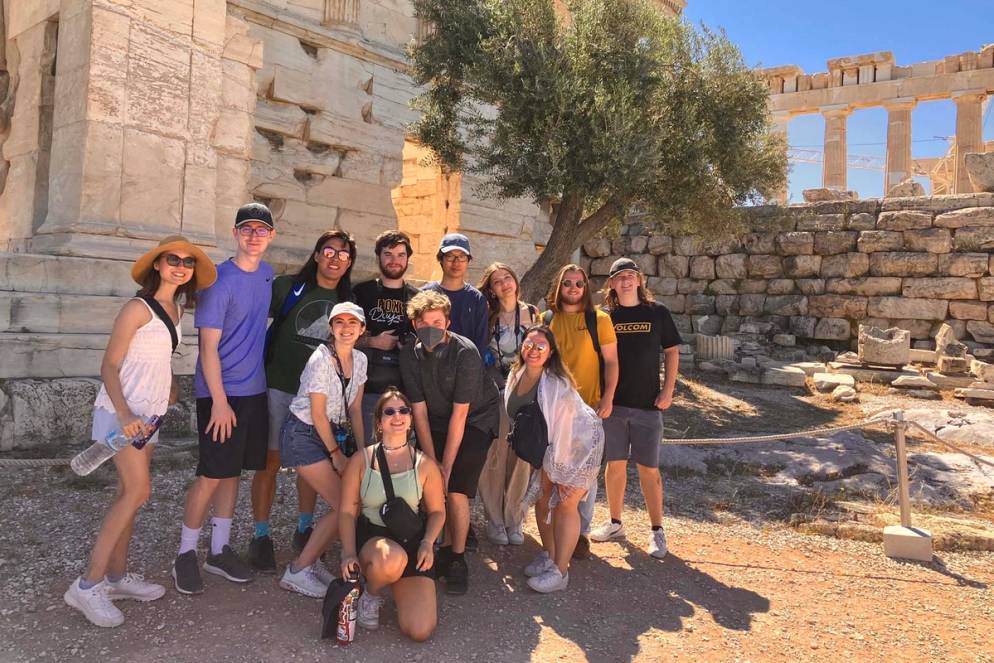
(539, 565)
(515, 536)
(607, 531)
(550, 581)
(304, 581)
(657, 543)
(94, 604)
(228, 566)
(369, 610)
(186, 573)
(497, 534)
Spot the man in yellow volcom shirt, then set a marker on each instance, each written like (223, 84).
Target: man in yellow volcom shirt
(571, 305)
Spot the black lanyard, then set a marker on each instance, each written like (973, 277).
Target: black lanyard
(340, 372)
(517, 327)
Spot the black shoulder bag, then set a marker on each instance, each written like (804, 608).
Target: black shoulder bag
(162, 315)
(529, 436)
(398, 516)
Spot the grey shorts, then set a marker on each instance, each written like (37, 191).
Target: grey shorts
(633, 433)
(279, 407)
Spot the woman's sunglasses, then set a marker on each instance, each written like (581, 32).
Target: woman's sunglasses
(390, 411)
(341, 255)
(528, 346)
(174, 260)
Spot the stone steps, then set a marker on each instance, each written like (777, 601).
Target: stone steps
(48, 355)
(34, 273)
(48, 313)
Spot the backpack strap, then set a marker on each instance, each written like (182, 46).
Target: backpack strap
(547, 318)
(590, 318)
(162, 315)
(294, 295)
(381, 458)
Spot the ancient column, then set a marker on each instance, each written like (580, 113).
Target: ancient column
(834, 168)
(898, 141)
(780, 124)
(341, 13)
(969, 133)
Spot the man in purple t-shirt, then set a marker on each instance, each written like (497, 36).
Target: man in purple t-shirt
(230, 387)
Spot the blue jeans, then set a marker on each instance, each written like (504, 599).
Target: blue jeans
(587, 509)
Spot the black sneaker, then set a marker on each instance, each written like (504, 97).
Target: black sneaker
(261, 555)
(186, 573)
(472, 543)
(229, 566)
(300, 539)
(443, 558)
(582, 550)
(457, 577)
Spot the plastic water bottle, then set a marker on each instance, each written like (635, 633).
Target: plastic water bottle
(101, 451)
(348, 613)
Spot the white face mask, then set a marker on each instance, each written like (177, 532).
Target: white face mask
(430, 337)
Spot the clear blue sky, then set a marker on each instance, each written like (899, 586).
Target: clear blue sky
(806, 33)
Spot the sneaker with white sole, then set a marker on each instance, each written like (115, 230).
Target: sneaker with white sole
(657, 543)
(228, 565)
(497, 534)
(607, 531)
(94, 604)
(515, 536)
(539, 565)
(550, 581)
(133, 586)
(305, 581)
(369, 610)
(322, 573)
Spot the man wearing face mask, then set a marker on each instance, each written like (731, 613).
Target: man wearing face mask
(456, 409)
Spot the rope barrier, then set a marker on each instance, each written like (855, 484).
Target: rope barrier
(872, 421)
(55, 462)
(935, 438)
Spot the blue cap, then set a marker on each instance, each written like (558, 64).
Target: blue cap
(454, 241)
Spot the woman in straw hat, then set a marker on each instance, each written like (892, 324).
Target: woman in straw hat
(137, 378)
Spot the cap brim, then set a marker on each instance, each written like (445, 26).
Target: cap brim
(205, 273)
(268, 224)
(446, 249)
(633, 270)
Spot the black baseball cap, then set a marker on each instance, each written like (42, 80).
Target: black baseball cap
(254, 212)
(624, 265)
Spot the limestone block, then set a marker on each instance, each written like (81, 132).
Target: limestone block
(907, 188)
(914, 382)
(660, 244)
(785, 340)
(837, 306)
(662, 286)
(764, 266)
(152, 180)
(832, 242)
(691, 286)
(702, 267)
(952, 365)
(786, 305)
(233, 134)
(904, 307)
(673, 266)
(708, 324)
(867, 286)
(929, 240)
(811, 286)
(724, 287)
(980, 168)
(861, 221)
(821, 222)
(601, 266)
(948, 287)
(802, 326)
(982, 332)
(967, 216)
(30, 273)
(686, 245)
(720, 247)
(908, 543)
(731, 266)
(683, 324)
(985, 287)
(159, 80)
(751, 304)
(870, 241)
(639, 244)
(844, 394)
(888, 347)
(968, 310)
(700, 304)
(752, 286)
(826, 382)
(801, 266)
(832, 329)
(759, 243)
(784, 376)
(982, 371)
(795, 243)
(944, 337)
(845, 265)
(354, 195)
(295, 87)
(923, 356)
(974, 239)
(903, 264)
(281, 118)
(780, 287)
(963, 264)
(621, 245)
(904, 220)
(726, 305)
(823, 195)
(646, 263)
(675, 303)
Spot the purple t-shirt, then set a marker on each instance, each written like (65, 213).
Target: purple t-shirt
(238, 305)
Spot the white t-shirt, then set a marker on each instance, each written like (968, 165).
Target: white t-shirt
(320, 376)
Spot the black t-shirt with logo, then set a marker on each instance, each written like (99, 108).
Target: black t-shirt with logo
(386, 310)
(641, 330)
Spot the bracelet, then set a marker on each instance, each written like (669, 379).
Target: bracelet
(430, 543)
(334, 450)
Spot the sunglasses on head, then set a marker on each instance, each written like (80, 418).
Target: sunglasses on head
(390, 411)
(570, 283)
(174, 260)
(331, 253)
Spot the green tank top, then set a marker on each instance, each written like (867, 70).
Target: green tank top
(406, 485)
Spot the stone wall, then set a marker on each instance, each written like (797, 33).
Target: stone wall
(817, 271)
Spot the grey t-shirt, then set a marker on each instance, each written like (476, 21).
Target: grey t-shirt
(453, 373)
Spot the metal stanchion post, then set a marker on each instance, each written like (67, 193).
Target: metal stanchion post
(904, 492)
(904, 541)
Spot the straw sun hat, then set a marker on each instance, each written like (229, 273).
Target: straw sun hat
(205, 273)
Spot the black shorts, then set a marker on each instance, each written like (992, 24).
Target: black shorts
(249, 442)
(469, 461)
(365, 530)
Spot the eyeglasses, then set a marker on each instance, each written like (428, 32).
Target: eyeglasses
(390, 411)
(453, 258)
(174, 260)
(331, 253)
(248, 231)
(528, 346)
(578, 283)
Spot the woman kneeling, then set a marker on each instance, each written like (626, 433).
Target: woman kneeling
(405, 566)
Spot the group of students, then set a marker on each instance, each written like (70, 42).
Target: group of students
(393, 404)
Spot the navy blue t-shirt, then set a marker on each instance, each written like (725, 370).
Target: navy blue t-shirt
(469, 313)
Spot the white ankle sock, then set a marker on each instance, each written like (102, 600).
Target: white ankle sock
(220, 534)
(188, 539)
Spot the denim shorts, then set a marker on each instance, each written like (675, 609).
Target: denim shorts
(300, 444)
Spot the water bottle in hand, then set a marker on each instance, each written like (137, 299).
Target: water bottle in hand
(101, 451)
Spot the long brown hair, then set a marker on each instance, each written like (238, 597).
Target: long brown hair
(309, 272)
(552, 298)
(611, 297)
(150, 285)
(488, 292)
(553, 364)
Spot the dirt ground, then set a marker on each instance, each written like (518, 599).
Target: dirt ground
(739, 584)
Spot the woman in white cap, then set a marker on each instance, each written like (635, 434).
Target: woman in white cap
(320, 432)
(137, 379)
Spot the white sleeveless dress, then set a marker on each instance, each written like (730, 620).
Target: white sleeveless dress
(146, 377)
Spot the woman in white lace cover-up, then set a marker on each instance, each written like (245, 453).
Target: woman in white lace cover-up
(571, 461)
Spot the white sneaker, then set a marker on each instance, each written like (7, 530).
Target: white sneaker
(607, 531)
(133, 586)
(497, 534)
(657, 543)
(515, 536)
(550, 581)
(94, 604)
(322, 573)
(539, 565)
(305, 581)
(369, 610)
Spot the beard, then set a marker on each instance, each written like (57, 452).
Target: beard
(393, 272)
(571, 300)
